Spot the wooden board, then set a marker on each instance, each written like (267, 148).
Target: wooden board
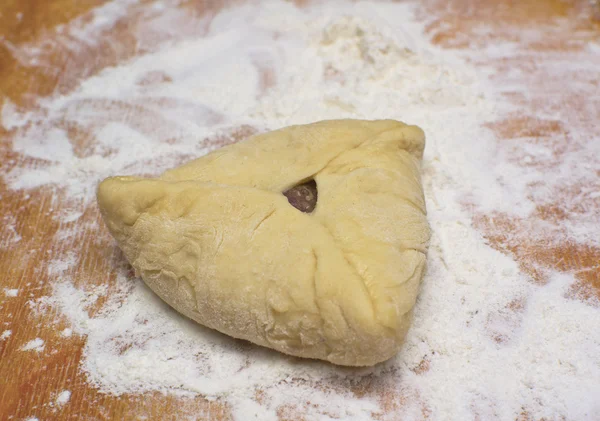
(29, 382)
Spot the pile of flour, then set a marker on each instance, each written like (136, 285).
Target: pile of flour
(486, 342)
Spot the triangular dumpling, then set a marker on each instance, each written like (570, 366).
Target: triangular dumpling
(218, 241)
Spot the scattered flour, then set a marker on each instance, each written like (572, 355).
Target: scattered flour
(36, 345)
(486, 343)
(5, 335)
(11, 292)
(8, 232)
(63, 397)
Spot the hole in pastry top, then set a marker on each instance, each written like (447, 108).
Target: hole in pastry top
(303, 196)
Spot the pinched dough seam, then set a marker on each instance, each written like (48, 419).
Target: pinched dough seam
(363, 280)
(352, 267)
(262, 221)
(361, 144)
(319, 309)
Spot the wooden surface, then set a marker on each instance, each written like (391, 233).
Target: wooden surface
(29, 381)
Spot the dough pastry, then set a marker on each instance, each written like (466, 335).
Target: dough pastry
(218, 241)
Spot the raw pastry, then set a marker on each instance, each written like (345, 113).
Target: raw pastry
(218, 241)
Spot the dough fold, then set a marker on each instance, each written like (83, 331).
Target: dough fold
(218, 241)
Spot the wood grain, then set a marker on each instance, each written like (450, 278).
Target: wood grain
(30, 381)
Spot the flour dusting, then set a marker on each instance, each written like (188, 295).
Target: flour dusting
(36, 345)
(63, 397)
(486, 342)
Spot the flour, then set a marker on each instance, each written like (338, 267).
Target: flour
(10, 235)
(486, 342)
(36, 345)
(63, 397)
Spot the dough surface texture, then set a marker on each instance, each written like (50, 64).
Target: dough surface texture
(219, 242)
